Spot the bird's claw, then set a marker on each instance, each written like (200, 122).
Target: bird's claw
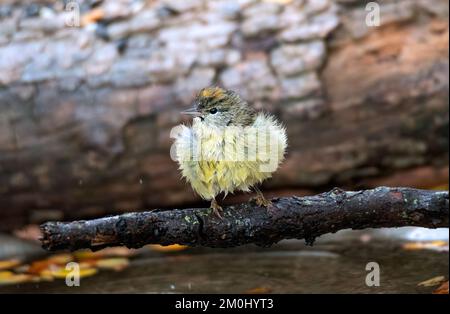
(217, 209)
(261, 201)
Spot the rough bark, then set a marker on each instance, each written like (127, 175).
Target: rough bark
(292, 217)
(84, 131)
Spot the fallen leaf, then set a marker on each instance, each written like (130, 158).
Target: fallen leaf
(8, 278)
(167, 248)
(86, 272)
(62, 272)
(443, 289)
(82, 255)
(22, 268)
(37, 267)
(88, 263)
(107, 252)
(46, 276)
(432, 282)
(6, 274)
(8, 264)
(258, 290)
(117, 264)
(439, 245)
(60, 259)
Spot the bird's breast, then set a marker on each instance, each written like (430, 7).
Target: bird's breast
(226, 160)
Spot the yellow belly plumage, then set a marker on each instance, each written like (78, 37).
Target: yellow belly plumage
(213, 170)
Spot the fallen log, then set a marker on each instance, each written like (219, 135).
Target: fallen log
(85, 116)
(293, 217)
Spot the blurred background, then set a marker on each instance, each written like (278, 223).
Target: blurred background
(89, 91)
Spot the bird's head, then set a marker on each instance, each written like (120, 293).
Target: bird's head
(221, 108)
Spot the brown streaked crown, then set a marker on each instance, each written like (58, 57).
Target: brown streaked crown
(224, 107)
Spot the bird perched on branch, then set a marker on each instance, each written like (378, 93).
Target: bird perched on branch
(229, 147)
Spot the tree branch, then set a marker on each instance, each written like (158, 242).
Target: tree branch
(294, 217)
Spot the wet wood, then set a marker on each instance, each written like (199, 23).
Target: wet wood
(292, 217)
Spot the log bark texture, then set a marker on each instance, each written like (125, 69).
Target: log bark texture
(86, 112)
(293, 217)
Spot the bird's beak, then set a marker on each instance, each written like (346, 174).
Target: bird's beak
(191, 111)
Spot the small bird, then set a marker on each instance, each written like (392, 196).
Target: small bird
(229, 147)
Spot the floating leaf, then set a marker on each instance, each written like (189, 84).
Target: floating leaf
(86, 272)
(6, 274)
(22, 268)
(8, 264)
(60, 259)
(443, 289)
(432, 282)
(87, 263)
(46, 275)
(107, 252)
(8, 278)
(167, 248)
(37, 267)
(85, 254)
(117, 264)
(62, 272)
(441, 246)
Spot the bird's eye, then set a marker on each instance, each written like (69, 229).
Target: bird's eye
(213, 110)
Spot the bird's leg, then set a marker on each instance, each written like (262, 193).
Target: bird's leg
(260, 200)
(217, 209)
